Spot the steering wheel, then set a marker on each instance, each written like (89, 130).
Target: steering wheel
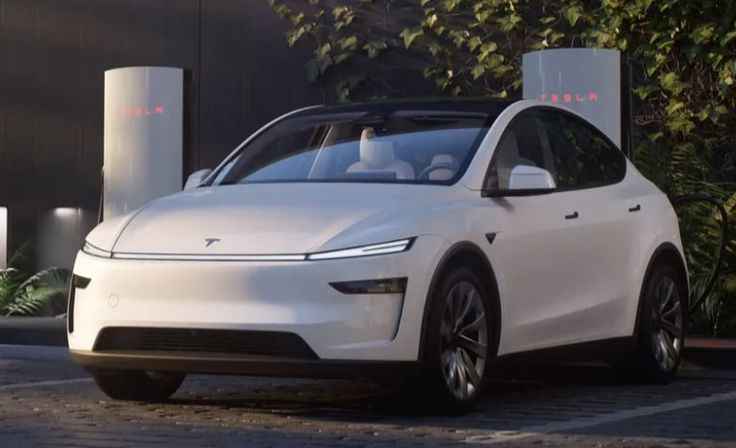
(424, 174)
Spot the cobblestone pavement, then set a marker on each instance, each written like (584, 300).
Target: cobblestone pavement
(46, 401)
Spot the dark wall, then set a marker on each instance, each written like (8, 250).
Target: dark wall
(248, 74)
(53, 54)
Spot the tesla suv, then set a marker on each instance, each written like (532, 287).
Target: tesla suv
(420, 238)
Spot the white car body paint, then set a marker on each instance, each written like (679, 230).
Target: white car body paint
(559, 281)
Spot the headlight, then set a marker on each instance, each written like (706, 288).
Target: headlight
(364, 251)
(95, 251)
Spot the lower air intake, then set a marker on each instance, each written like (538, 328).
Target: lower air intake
(179, 340)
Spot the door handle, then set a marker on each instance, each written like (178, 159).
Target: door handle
(635, 209)
(575, 215)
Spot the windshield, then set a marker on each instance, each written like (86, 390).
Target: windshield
(396, 146)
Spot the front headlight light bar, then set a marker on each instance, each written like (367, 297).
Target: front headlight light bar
(95, 251)
(390, 247)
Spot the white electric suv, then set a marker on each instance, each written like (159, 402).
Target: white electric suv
(424, 238)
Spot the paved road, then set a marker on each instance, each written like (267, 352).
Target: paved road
(46, 401)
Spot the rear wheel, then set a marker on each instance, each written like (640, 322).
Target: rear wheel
(661, 327)
(458, 340)
(138, 385)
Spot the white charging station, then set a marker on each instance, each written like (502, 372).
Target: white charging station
(143, 142)
(593, 82)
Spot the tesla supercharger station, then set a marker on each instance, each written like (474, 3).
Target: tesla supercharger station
(593, 82)
(143, 144)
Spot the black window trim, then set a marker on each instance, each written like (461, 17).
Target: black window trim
(484, 187)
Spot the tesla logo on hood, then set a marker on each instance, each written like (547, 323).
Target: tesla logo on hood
(210, 241)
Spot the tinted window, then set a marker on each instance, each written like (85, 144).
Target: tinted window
(521, 144)
(583, 157)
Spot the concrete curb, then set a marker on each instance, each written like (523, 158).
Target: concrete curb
(711, 353)
(33, 331)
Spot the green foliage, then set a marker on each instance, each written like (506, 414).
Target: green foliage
(683, 53)
(25, 295)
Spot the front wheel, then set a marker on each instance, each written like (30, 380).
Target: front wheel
(660, 327)
(138, 385)
(458, 340)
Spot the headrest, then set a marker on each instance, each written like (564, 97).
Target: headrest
(445, 159)
(375, 152)
(449, 167)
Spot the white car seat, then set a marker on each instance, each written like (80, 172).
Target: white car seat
(377, 156)
(447, 167)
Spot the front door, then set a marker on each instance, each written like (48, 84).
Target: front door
(536, 249)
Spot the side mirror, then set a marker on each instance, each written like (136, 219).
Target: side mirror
(525, 177)
(526, 180)
(196, 178)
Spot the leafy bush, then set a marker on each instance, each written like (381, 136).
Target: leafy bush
(24, 295)
(684, 59)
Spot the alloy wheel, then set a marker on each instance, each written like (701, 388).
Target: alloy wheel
(464, 344)
(667, 323)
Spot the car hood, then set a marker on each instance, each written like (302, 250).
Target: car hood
(293, 218)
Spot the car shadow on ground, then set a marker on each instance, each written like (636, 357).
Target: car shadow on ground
(317, 397)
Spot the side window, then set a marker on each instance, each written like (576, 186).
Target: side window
(582, 156)
(521, 144)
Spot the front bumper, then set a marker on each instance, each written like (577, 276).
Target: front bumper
(231, 365)
(292, 297)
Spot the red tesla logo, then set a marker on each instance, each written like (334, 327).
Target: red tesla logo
(569, 97)
(142, 111)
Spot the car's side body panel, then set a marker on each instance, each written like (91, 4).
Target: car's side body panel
(563, 283)
(567, 281)
(532, 255)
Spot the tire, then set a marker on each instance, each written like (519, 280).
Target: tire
(660, 329)
(459, 342)
(137, 385)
